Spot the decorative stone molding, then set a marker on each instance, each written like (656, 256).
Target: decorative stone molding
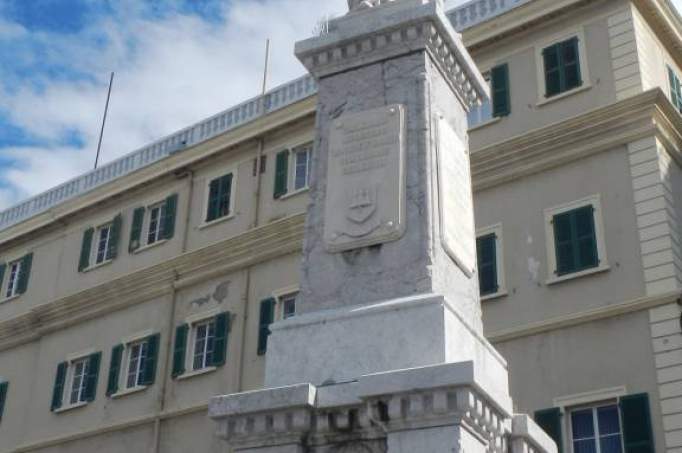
(397, 28)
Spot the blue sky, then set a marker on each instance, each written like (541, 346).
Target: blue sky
(176, 62)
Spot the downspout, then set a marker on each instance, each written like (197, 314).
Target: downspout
(165, 367)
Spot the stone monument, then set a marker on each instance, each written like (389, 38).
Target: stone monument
(388, 350)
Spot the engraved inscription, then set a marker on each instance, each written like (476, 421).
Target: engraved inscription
(365, 179)
(456, 200)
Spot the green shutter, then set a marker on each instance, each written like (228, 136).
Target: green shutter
(675, 89)
(179, 350)
(92, 377)
(570, 61)
(500, 91)
(550, 421)
(281, 174)
(638, 436)
(169, 216)
(58, 389)
(3, 266)
(136, 230)
(114, 369)
(213, 200)
(222, 328)
(575, 241)
(550, 56)
(24, 273)
(151, 361)
(114, 237)
(267, 316)
(86, 245)
(3, 396)
(225, 195)
(486, 249)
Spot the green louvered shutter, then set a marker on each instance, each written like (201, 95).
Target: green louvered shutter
(152, 359)
(24, 273)
(179, 350)
(486, 248)
(225, 195)
(550, 421)
(58, 389)
(213, 200)
(550, 56)
(169, 216)
(136, 230)
(114, 237)
(575, 241)
(222, 329)
(3, 266)
(114, 369)
(638, 436)
(92, 376)
(267, 316)
(86, 244)
(570, 62)
(675, 89)
(4, 386)
(500, 91)
(281, 174)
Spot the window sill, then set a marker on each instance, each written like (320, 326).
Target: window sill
(294, 193)
(563, 95)
(129, 391)
(595, 270)
(194, 373)
(97, 266)
(150, 246)
(70, 407)
(10, 299)
(486, 123)
(498, 295)
(217, 221)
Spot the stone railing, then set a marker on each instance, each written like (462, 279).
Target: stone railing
(232, 118)
(477, 11)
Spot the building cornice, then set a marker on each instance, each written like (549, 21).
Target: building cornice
(666, 22)
(599, 130)
(255, 246)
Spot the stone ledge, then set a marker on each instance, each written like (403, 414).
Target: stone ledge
(527, 436)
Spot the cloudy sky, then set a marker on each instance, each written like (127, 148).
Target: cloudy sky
(176, 62)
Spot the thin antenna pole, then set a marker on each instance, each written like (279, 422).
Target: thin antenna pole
(267, 64)
(104, 120)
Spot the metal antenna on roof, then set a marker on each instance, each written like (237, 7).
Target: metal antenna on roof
(104, 120)
(265, 69)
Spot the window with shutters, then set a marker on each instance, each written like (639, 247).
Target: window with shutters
(4, 388)
(499, 104)
(596, 429)
(12, 285)
(562, 67)
(100, 244)
(201, 344)
(490, 256)
(153, 224)
(292, 171)
(133, 364)
(675, 89)
(575, 240)
(137, 358)
(76, 381)
(14, 277)
(220, 198)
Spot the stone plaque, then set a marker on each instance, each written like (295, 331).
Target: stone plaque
(456, 202)
(365, 202)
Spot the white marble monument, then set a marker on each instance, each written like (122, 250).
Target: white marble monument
(386, 352)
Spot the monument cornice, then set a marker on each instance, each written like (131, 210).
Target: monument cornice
(602, 129)
(255, 246)
(397, 28)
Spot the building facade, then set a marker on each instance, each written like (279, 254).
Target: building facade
(133, 294)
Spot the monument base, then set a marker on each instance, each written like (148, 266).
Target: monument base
(437, 409)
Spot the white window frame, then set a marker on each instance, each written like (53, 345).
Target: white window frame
(540, 65)
(291, 168)
(8, 280)
(593, 406)
(234, 170)
(124, 370)
(499, 259)
(193, 321)
(71, 360)
(280, 296)
(595, 202)
(94, 249)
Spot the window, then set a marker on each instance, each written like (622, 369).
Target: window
(675, 89)
(4, 386)
(282, 305)
(100, 245)
(562, 67)
(575, 238)
(219, 198)
(140, 356)
(288, 303)
(153, 224)
(614, 426)
(499, 104)
(292, 170)
(596, 429)
(76, 381)
(206, 339)
(490, 262)
(14, 276)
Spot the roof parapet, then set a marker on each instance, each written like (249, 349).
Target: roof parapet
(476, 11)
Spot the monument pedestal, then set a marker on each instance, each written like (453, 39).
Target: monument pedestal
(386, 352)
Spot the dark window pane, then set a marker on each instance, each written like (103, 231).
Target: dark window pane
(611, 444)
(583, 424)
(585, 446)
(609, 423)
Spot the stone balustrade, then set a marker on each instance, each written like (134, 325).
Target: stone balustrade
(477, 11)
